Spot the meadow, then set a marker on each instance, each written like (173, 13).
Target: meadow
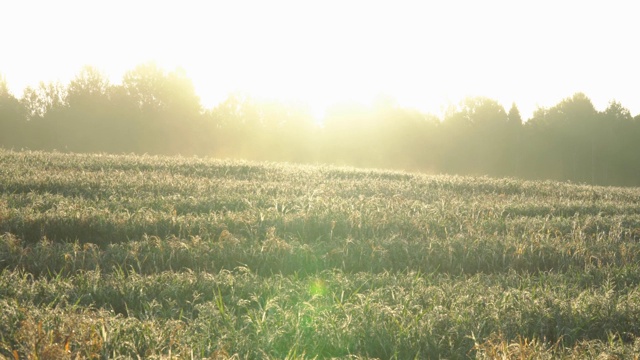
(123, 256)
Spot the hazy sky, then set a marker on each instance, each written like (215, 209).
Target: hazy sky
(426, 54)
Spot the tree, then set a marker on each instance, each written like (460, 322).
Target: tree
(166, 109)
(88, 89)
(477, 128)
(513, 117)
(233, 124)
(44, 107)
(11, 118)
(404, 134)
(262, 129)
(568, 132)
(239, 110)
(155, 91)
(617, 149)
(44, 100)
(90, 124)
(513, 147)
(578, 128)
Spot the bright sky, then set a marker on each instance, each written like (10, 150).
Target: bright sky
(426, 54)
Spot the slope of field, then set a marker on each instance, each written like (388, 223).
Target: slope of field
(107, 256)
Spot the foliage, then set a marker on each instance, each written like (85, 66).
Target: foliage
(106, 256)
(158, 112)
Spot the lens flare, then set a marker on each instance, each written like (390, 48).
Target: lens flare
(317, 288)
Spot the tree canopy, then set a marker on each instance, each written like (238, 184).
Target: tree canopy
(158, 112)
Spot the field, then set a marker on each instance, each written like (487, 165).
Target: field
(107, 256)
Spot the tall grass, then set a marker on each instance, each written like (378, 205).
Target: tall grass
(105, 256)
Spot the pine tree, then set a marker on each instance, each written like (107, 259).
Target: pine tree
(514, 115)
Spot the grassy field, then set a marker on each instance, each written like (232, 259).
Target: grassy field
(148, 257)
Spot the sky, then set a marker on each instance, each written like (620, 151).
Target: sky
(425, 54)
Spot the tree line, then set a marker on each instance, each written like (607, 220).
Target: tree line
(158, 112)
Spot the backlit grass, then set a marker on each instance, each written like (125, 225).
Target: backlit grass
(105, 256)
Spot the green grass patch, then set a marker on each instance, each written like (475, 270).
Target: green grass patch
(105, 256)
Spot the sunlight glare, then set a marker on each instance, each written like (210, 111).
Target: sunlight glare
(425, 55)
